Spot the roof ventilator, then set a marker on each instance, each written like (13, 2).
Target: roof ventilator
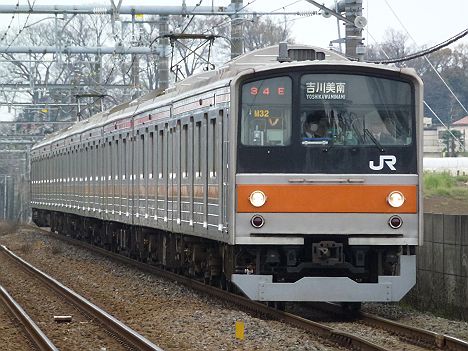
(288, 55)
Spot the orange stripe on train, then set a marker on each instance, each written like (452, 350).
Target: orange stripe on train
(302, 198)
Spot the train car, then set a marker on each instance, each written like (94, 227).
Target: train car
(290, 174)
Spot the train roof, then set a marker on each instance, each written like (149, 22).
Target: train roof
(258, 60)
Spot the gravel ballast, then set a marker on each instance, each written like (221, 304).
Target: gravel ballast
(176, 318)
(12, 335)
(170, 315)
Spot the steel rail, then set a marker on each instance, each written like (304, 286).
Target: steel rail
(339, 337)
(127, 334)
(413, 335)
(421, 336)
(41, 341)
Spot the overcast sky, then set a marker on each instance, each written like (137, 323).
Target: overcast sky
(427, 21)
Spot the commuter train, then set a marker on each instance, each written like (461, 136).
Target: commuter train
(289, 174)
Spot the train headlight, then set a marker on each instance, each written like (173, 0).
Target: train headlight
(395, 199)
(257, 198)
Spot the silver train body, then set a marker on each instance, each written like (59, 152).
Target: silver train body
(218, 177)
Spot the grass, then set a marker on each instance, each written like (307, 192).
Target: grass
(444, 184)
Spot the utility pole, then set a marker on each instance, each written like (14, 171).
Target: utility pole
(5, 195)
(135, 63)
(99, 106)
(354, 22)
(163, 48)
(353, 30)
(237, 29)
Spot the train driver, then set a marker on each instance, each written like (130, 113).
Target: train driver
(315, 125)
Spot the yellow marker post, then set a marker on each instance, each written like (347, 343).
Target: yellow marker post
(240, 330)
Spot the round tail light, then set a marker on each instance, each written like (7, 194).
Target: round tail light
(257, 221)
(395, 222)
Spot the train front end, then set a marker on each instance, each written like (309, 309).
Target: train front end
(327, 182)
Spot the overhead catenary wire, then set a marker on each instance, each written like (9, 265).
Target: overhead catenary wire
(9, 25)
(24, 25)
(248, 4)
(426, 51)
(229, 21)
(19, 32)
(427, 59)
(122, 51)
(191, 19)
(424, 102)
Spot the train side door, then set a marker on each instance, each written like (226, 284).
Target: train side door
(172, 181)
(186, 175)
(137, 180)
(163, 176)
(214, 137)
(177, 176)
(199, 151)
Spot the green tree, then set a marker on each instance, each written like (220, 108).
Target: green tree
(453, 142)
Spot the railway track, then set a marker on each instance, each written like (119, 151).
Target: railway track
(36, 335)
(413, 338)
(413, 334)
(421, 339)
(116, 335)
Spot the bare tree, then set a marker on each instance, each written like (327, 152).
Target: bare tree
(394, 45)
(141, 71)
(450, 63)
(264, 32)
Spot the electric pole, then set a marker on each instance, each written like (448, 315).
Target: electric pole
(353, 28)
(237, 29)
(354, 22)
(163, 66)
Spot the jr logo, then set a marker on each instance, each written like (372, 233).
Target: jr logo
(390, 160)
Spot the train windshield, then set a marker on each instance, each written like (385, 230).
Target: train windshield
(344, 109)
(327, 122)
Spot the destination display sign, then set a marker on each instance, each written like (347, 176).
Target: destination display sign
(268, 91)
(272, 116)
(328, 90)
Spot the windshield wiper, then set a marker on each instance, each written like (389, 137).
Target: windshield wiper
(374, 140)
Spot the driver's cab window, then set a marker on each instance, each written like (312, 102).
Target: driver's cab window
(266, 112)
(315, 127)
(345, 109)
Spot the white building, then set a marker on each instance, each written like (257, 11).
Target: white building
(433, 145)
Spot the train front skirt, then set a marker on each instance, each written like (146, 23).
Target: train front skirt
(331, 289)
